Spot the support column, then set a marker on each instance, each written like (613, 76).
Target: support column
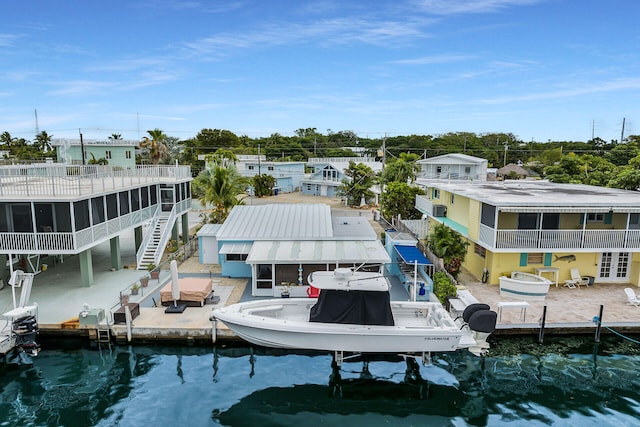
(137, 237)
(86, 268)
(175, 233)
(4, 269)
(185, 228)
(116, 258)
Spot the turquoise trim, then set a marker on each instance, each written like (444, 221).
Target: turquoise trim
(533, 294)
(455, 226)
(523, 259)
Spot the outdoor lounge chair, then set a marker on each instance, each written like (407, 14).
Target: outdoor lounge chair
(632, 297)
(576, 279)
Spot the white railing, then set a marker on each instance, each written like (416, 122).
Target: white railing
(147, 236)
(560, 239)
(424, 205)
(68, 180)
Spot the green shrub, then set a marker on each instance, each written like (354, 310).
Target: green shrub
(443, 287)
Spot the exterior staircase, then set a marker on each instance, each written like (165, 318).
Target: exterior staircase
(155, 240)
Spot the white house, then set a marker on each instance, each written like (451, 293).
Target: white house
(455, 166)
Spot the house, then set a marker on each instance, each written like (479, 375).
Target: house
(454, 166)
(116, 152)
(288, 175)
(50, 211)
(328, 174)
(284, 243)
(540, 227)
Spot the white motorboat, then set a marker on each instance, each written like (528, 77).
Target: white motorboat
(353, 313)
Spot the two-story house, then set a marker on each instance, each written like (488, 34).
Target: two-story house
(453, 166)
(288, 175)
(539, 226)
(328, 174)
(58, 210)
(116, 152)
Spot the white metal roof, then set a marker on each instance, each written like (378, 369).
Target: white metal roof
(209, 230)
(278, 222)
(453, 157)
(353, 227)
(329, 252)
(540, 193)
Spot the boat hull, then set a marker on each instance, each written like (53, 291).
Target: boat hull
(284, 324)
(524, 286)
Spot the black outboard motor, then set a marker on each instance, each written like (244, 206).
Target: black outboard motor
(482, 321)
(25, 330)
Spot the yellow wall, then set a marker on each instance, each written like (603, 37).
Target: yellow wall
(459, 210)
(474, 219)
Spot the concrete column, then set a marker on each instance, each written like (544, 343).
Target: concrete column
(4, 269)
(116, 258)
(185, 228)
(137, 237)
(175, 232)
(86, 268)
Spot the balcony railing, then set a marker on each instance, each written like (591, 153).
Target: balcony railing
(71, 181)
(560, 239)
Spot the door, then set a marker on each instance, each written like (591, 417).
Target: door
(614, 266)
(166, 198)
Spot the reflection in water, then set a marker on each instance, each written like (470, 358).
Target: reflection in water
(75, 386)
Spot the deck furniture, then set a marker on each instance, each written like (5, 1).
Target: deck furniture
(522, 305)
(632, 298)
(576, 279)
(553, 270)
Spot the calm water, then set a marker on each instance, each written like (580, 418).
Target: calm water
(564, 383)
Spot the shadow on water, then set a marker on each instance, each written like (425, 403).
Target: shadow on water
(73, 384)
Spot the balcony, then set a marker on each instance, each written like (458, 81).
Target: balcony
(560, 239)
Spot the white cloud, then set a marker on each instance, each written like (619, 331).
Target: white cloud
(7, 40)
(451, 7)
(434, 59)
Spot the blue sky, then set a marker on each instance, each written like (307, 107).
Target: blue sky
(541, 69)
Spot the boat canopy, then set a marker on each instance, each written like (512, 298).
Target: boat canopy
(411, 254)
(353, 307)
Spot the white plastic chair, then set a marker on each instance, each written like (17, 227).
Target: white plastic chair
(576, 279)
(632, 297)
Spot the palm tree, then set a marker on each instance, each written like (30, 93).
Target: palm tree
(43, 141)
(154, 143)
(115, 137)
(219, 186)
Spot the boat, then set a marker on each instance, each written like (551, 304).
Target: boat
(18, 335)
(527, 286)
(354, 313)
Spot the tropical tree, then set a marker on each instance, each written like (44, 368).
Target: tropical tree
(115, 137)
(402, 169)
(263, 185)
(221, 188)
(449, 245)
(358, 185)
(154, 144)
(43, 141)
(397, 200)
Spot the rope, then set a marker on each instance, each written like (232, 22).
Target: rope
(596, 319)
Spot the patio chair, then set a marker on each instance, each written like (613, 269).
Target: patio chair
(576, 279)
(632, 297)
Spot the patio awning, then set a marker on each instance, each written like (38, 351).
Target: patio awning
(318, 252)
(236, 248)
(411, 254)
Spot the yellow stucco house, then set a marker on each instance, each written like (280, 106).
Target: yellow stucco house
(540, 227)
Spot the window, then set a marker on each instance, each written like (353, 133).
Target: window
(480, 251)
(467, 170)
(127, 154)
(535, 258)
(107, 154)
(595, 217)
(269, 168)
(308, 187)
(81, 214)
(123, 197)
(250, 167)
(97, 210)
(237, 257)
(436, 193)
(112, 206)
(452, 197)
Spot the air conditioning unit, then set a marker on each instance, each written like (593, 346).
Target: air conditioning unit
(439, 211)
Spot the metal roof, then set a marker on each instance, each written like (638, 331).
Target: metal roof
(209, 230)
(447, 159)
(318, 252)
(278, 222)
(537, 193)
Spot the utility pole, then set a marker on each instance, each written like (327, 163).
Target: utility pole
(622, 133)
(82, 147)
(314, 146)
(506, 147)
(259, 159)
(37, 127)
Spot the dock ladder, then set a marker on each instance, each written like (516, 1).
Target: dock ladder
(103, 333)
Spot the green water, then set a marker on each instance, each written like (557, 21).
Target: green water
(567, 382)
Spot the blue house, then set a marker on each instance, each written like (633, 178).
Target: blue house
(328, 174)
(281, 244)
(287, 174)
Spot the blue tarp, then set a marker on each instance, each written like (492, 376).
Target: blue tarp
(411, 254)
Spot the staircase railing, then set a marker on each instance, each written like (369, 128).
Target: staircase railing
(147, 238)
